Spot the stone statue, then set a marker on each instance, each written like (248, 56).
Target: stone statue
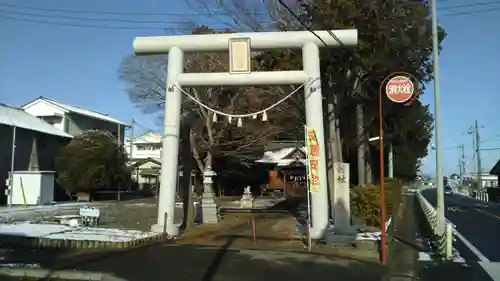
(247, 198)
(247, 190)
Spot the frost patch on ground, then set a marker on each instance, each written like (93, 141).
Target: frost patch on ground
(20, 265)
(54, 231)
(361, 236)
(147, 205)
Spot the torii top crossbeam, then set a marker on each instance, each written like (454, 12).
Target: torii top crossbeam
(259, 41)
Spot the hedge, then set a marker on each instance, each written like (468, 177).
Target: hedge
(365, 201)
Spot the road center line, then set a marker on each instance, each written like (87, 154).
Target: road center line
(487, 213)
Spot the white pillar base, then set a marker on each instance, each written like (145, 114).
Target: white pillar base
(173, 230)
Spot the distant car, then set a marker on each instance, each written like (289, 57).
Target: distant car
(448, 190)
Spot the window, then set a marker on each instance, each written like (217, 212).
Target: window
(148, 147)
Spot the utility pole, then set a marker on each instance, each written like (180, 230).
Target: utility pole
(473, 158)
(119, 141)
(118, 135)
(478, 159)
(131, 138)
(131, 149)
(437, 124)
(462, 164)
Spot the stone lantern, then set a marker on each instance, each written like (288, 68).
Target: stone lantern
(210, 210)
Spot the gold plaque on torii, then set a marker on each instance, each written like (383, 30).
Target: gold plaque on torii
(239, 55)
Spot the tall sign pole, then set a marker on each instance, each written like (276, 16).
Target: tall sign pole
(308, 188)
(399, 88)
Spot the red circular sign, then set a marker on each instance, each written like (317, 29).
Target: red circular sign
(399, 89)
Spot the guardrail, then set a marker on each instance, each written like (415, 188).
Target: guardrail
(444, 241)
(483, 196)
(479, 195)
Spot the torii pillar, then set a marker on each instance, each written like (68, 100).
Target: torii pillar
(239, 46)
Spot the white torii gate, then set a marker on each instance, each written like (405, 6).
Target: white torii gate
(239, 45)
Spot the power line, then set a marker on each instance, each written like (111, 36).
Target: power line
(58, 23)
(217, 13)
(331, 34)
(92, 19)
(307, 27)
(145, 128)
(495, 137)
(496, 148)
(118, 13)
(94, 26)
(470, 5)
(473, 12)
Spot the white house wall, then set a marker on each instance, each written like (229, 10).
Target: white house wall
(74, 120)
(78, 124)
(57, 121)
(148, 138)
(42, 108)
(60, 124)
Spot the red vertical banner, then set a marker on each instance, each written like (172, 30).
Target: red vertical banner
(313, 157)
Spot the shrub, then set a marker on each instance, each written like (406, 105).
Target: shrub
(92, 161)
(365, 201)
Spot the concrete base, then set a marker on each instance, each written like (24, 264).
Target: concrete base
(345, 230)
(209, 209)
(210, 213)
(172, 231)
(318, 233)
(340, 239)
(247, 202)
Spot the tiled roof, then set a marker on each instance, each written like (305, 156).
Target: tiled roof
(278, 156)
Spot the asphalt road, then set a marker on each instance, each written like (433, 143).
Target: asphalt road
(477, 221)
(478, 229)
(198, 263)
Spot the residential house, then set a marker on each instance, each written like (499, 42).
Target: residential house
(72, 119)
(286, 170)
(494, 188)
(145, 146)
(145, 161)
(495, 173)
(488, 180)
(18, 130)
(146, 173)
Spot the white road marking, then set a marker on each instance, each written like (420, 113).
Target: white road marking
(423, 256)
(491, 268)
(471, 247)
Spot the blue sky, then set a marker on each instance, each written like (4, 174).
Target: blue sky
(79, 65)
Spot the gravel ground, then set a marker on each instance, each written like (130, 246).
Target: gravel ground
(138, 214)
